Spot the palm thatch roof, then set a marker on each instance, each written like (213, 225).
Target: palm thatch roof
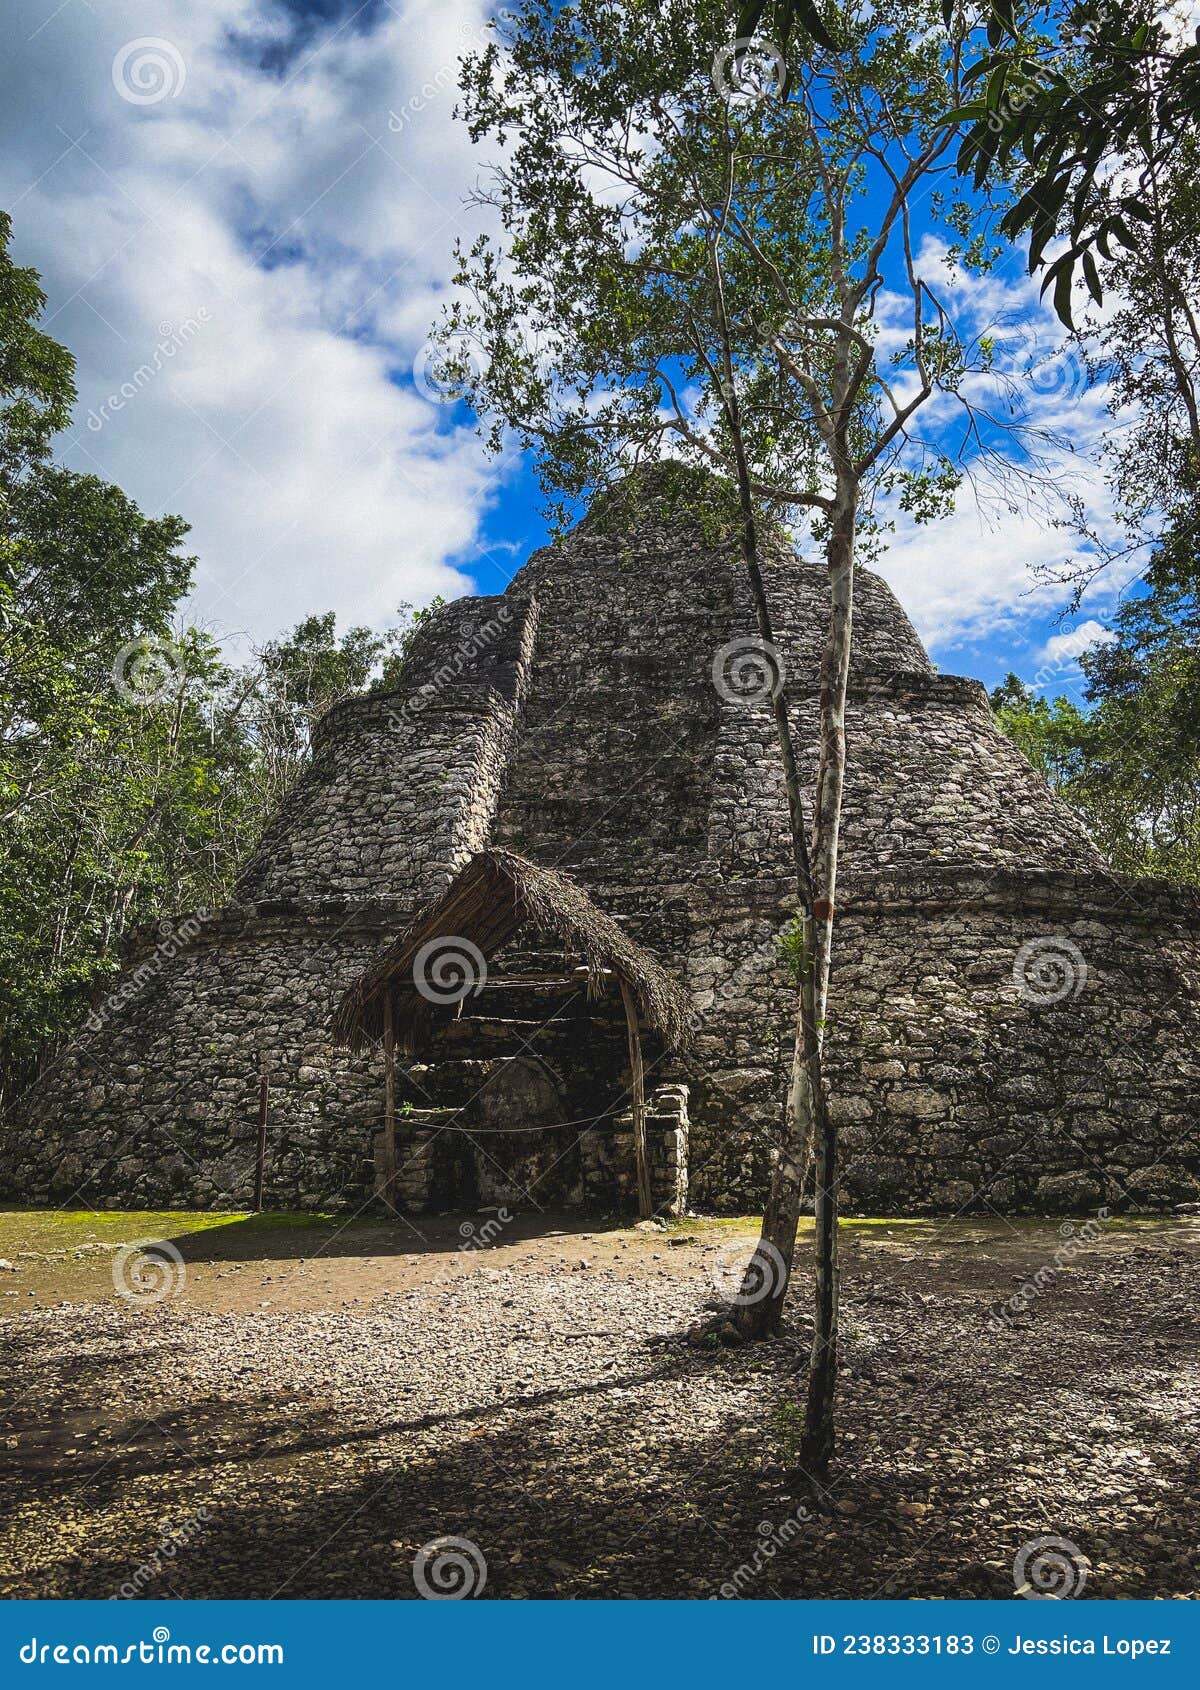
(489, 898)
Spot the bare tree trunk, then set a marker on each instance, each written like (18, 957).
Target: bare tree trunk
(816, 1446)
(830, 783)
(761, 1298)
(831, 769)
(764, 1287)
(1170, 294)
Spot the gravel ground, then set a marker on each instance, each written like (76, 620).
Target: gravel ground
(316, 1403)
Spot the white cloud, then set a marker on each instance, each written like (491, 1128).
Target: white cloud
(306, 200)
(988, 570)
(287, 217)
(1069, 647)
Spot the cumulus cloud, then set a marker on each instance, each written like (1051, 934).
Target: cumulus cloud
(993, 569)
(244, 213)
(244, 225)
(1069, 647)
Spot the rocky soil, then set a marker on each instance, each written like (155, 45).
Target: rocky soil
(309, 1404)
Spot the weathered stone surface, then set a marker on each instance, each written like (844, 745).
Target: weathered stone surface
(1010, 1026)
(1069, 1192)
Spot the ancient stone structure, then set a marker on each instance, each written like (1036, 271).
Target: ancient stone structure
(1011, 1027)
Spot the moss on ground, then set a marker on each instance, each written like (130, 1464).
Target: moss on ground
(55, 1231)
(58, 1232)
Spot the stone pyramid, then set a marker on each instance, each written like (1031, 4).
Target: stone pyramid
(1011, 1026)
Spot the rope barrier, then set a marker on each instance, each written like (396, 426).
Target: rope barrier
(504, 1132)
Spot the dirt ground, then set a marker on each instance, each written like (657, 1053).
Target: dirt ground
(291, 1406)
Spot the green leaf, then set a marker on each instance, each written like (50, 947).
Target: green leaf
(962, 114)
(1061, 273)
(788, 14)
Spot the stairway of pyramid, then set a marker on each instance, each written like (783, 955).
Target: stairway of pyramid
(1011, 1027)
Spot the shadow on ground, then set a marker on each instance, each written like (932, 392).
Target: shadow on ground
(558, 1420)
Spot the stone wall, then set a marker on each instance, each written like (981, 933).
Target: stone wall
(156, 1100)
(1011, 1042)
(1018, 1045)
(930, 779)
(585, 718)
(609, 1159)
(402, 787)
(613, 764)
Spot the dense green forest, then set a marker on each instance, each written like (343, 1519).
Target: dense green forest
(1128, 757)
(1125, 752)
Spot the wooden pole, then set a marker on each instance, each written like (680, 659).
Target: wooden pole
(645, 1201)
(260, 1155)
(387, 1171)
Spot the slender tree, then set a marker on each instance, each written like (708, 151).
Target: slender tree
(692, 266)
(1145, 349)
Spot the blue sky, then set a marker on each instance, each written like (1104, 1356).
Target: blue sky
(244, 216)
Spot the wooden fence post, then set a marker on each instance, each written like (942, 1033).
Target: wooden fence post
(387, 1180)
(260, 1155)
(645, 1200)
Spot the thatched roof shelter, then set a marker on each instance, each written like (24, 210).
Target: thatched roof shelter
(490, 897)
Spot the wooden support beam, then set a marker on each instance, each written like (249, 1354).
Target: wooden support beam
(387, 1159)
(638, 1088)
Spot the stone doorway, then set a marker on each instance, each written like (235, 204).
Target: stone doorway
(524, 1152)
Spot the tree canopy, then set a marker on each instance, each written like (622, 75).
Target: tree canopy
(1091, 99)
(1126, 753)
